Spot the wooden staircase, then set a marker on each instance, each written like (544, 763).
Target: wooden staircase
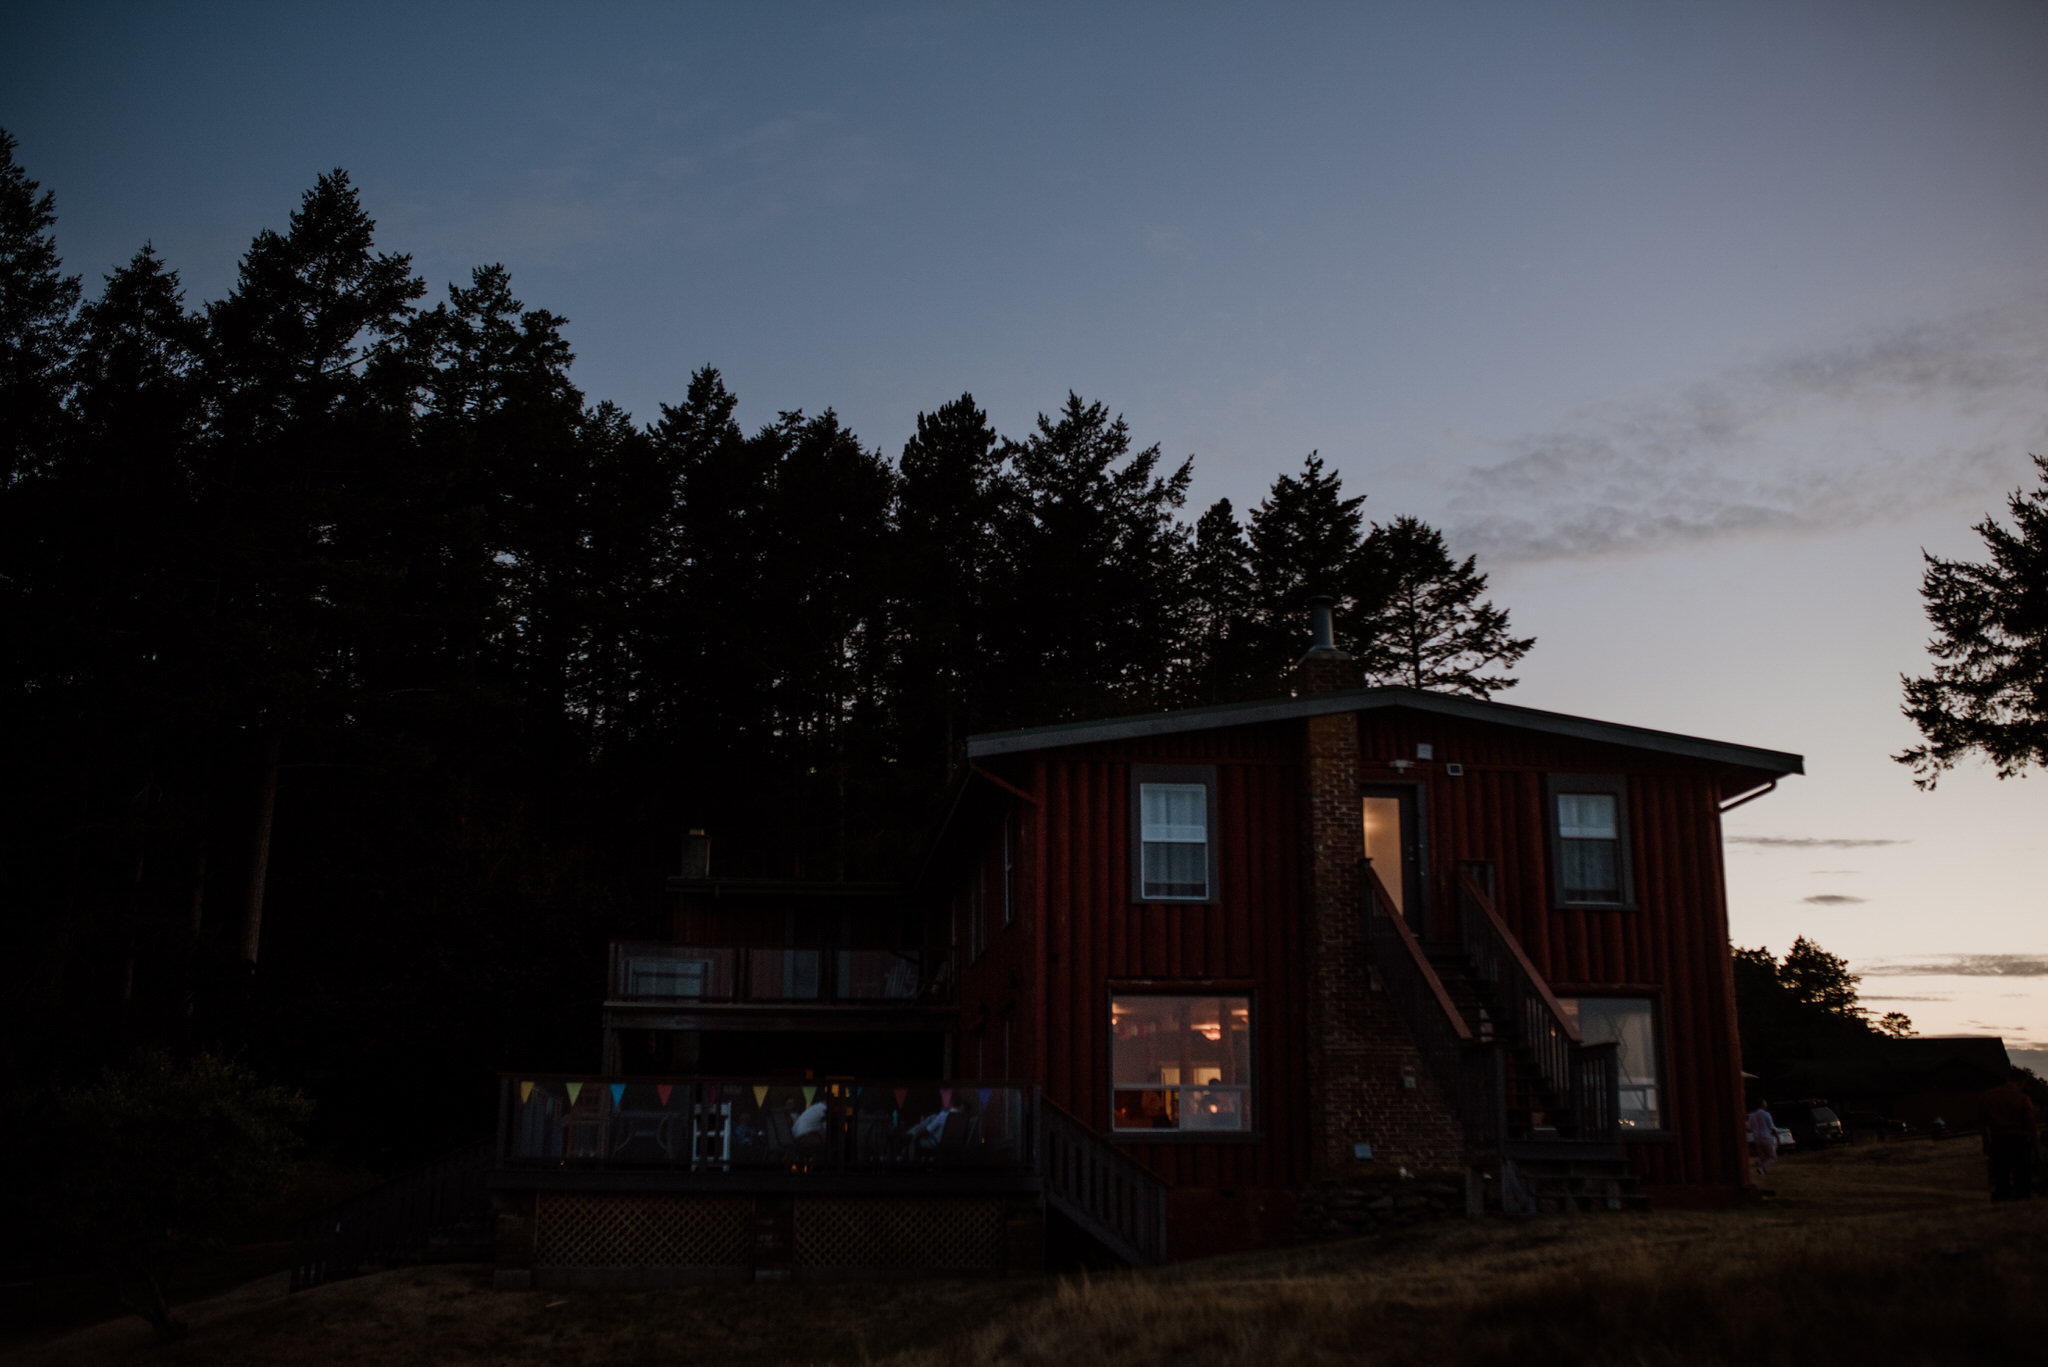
(1530, 1095)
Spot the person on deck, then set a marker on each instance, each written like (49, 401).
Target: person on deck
(1763, 1136)
(808, 1128)
(2010, 1133)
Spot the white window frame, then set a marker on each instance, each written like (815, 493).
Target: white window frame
(1188, 775)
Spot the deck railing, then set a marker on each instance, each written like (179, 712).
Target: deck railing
(733, 1125)
(693, 974)
(1586, 1078)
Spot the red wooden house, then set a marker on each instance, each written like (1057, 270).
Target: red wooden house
(1168, 981)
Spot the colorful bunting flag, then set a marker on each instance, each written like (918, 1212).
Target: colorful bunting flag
(809, 1092)
(760, 1096)
(618, 1092)
(575, 1088)
(711, 1093)
(902, 1095)
(984, 1097)
(525, 1091)
(662, 1089)
(946, 1098)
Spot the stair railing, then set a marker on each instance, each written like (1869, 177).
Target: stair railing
(402, 1218)
(1586, 1078)
(1473, 1074)
(1117, 1200)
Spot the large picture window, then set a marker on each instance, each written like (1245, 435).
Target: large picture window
(1589, 840)
(1173, 810)
(1631, 1024)
(1181, 1064)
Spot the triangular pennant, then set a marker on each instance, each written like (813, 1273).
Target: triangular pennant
(525, 1091)
(575, 1089)
(985, 1093)
(809, 1092)
(711, 1093)
(902, 1095)
(618, 1092)
(760, 1095)
(662, 1089)
(946, 1098)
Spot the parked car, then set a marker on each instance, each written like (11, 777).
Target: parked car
(1813, 1123)
(1870, 1122)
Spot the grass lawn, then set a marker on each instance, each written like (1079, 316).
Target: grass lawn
(1876, 1254)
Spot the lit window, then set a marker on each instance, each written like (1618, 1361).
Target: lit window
(1631, 1024)
(1181, 1063)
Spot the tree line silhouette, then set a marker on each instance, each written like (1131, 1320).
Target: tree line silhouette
(363, 675)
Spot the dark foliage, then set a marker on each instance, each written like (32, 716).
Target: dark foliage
(1988, 694)
(142, 1167)
(362, 677)
(1801, 1008)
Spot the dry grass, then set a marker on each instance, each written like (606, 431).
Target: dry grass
(1877, 1254)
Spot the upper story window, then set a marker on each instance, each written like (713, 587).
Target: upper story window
(1589, 840)
(1174, 833)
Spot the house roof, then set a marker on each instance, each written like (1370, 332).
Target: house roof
(1772, 762)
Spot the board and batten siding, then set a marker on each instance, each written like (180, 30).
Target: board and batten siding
(1248, 942)
(1672, 945)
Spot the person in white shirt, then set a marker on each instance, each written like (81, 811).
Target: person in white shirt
(811, 1121)
(1763, 1137)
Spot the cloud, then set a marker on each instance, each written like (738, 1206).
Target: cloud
(1907, 999)
(1833, 899)
(1966, 966)
(1836, 436)
(1808, 842)
(679, 181)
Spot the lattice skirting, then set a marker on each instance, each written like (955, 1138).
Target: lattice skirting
(883, 1233)
(650, 1230)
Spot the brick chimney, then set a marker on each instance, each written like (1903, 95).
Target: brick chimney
(1361, 1058)
(1324, 669)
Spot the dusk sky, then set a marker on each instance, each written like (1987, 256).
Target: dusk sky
(1696, 323)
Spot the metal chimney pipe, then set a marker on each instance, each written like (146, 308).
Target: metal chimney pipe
(1319, 622)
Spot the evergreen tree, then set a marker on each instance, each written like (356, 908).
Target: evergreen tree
(952, 538)
(293, 353)
(1305, 542)
(1988, 694)
(37, 328)
(1426, 625)
(1095, 612)
(1225, 638)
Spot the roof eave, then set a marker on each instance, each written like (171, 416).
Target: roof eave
(1036, 738)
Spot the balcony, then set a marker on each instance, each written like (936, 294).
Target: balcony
(727, 987)
(765, 1135)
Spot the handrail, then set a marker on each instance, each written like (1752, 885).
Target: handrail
(1472, 1073)
(1583, 1077)
(1384, 904)
(403, 1217)
(1119, 1201)
(1514, 947)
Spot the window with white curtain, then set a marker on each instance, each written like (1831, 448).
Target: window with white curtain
(1173, 829)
